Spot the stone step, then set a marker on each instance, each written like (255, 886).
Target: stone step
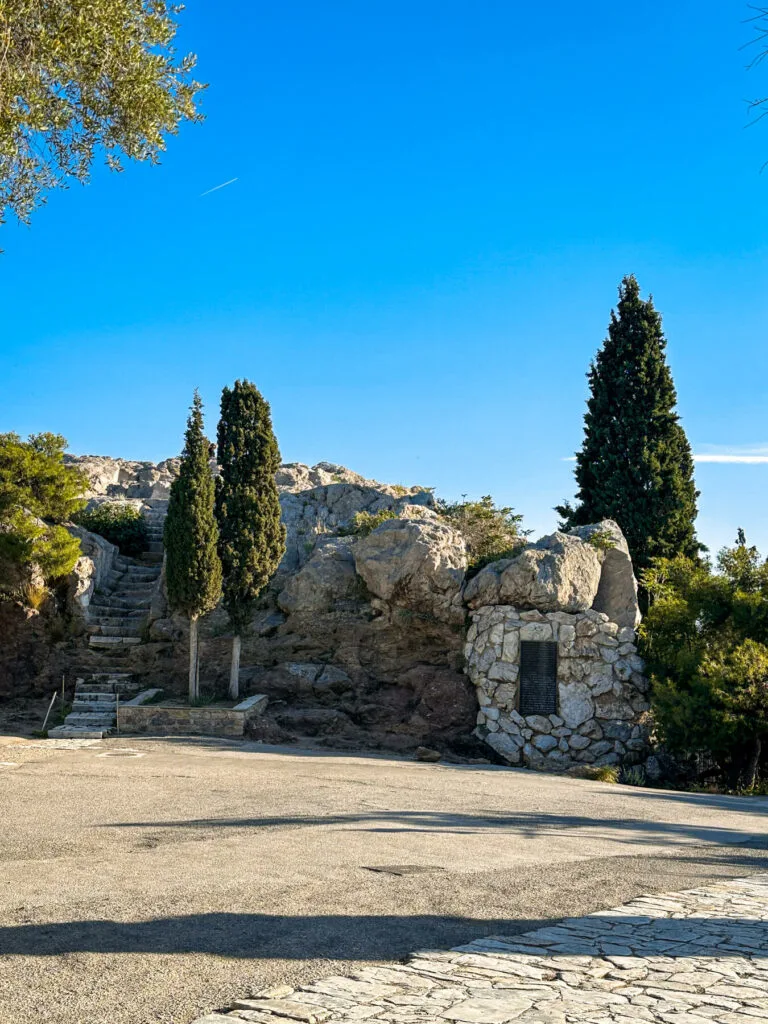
(154, 545)
(100, 611)
(93, 692)
(134, 601)
(152, 557)
(136, 573)
(70, 732)
(94, 706)
(97, 630)
(113, 641)
(116, 622)
(90, 719)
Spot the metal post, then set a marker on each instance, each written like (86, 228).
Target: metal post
(47, 713)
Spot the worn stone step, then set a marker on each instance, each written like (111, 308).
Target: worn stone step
(93, 691)
(95, 629)
(113, 641)
(152, 557)
(136, 573)
(154, 545)
(95, 706)
(69, 732)
(90, 719)
(135, 601)
(103, 611)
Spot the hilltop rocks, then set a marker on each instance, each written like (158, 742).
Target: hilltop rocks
(417, 564)
(327, 579)
(121, 478)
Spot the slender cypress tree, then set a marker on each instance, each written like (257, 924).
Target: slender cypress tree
(635, 464)
(192, 566)
(251, 532)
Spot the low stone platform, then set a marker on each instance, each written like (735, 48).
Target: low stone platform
(695, 957)
(182, 720)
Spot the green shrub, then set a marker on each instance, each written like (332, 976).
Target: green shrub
(705, 639)
(364, 522)
(37, 492)
(634, 776)
(602, 540)
(490, 532)
(117, 522)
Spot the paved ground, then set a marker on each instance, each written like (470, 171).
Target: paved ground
(695, 957)
(153, 881)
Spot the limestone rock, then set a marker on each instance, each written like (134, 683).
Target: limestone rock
(91, 569)
(558, 573)
(417, 564)
(617, 593)
(327, 578)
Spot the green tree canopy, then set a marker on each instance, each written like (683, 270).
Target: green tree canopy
(37, 493)
(79, 75)
(192, 566)
(251, 532)
(635, 464)
(706, 640)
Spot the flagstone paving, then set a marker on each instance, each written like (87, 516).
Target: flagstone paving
(693, 957)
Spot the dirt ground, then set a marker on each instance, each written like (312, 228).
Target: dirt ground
(153, 880)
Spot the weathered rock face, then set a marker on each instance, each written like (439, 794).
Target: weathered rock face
(91, 569)
(121, 478)
(358, 639)
(417, 564)
(617, 594)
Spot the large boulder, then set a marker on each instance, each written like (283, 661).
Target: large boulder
(560, 572)
(617, 593)
(91, 569)
(123, 478)
(328, 578)
(418, 564)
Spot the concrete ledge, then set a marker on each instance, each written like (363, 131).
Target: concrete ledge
(178, 720)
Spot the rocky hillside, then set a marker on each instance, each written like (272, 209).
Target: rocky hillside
(359, 638)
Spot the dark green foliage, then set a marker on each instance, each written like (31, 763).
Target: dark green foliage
(251, 532)
(117, 522)
(193, 569)
(37, 492)
(706, 640)
(635, 464)
(491, 533)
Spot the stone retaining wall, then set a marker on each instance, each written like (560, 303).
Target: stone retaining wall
(170, 720)
(601, 715)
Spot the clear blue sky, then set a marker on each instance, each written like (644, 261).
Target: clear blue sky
(434, 205)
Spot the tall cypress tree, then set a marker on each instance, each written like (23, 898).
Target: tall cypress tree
(635, 465)
(251, 532)
(192, 566)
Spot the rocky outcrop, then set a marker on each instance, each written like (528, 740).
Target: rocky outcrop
(418, 564)
(91, 569)
(617, 594)
(122, 478)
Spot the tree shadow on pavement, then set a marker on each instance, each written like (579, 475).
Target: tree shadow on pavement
(386, 937)
(525, 824)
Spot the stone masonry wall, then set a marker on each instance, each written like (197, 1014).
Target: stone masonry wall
(602, 694)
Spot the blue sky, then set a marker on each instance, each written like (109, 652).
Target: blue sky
(434, 205)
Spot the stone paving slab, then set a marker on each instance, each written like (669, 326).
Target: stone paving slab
(693, 957)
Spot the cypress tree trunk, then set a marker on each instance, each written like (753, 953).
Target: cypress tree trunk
(234, 670)
(194, 661)
(753, 764)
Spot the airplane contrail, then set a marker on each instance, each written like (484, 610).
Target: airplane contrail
(217, 187)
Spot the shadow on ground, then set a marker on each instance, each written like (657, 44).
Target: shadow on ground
(388, 937)
(635, 831)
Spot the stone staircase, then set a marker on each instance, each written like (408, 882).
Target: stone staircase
(94, 709)
(117, 614)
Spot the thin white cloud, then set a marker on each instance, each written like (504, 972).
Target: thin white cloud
(745, 459)
(568, 458)
(747, 455)
(217, 187)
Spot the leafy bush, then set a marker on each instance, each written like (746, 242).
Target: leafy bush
(37, 493)
(364, 522)
(705, 638)
(491, 533)
(119, 523)
(602, 540)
